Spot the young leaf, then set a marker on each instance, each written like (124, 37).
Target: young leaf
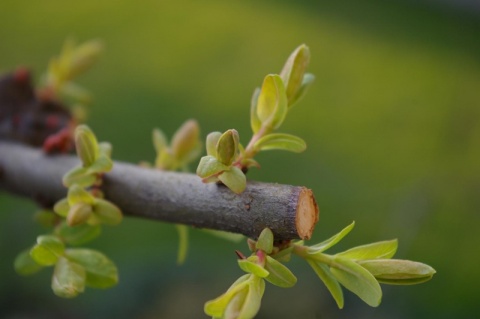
(321, 247)
(246, 303)
(80, 176)
(272, 102)
(234, 179)
(77, 235)
(78, 214)
(209, 166)
(25, 265)
(265, 241)
(101, 272)
(84, 56)
(217, 306)
(308, 79)
(159, 140)
(379, 250)
(294, 70)
(329, 280)
(251, 266)
(398, 272)
(227, 147)
(186, 140)
(62, 207)
(281, 141)
(279, 274)
(47, 250)
(77, 194)
(182, 243)
(211, 144)
(86, 145)
(103, 164)
(357, 279)
(68, 279)
(255, 122)
(107, 212)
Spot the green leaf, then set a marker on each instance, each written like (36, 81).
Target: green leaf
(329, 280)
(76, 92)
(80, 176)
(318, 248)
(45, 217)
(255, 122)
(209, 166)
(272, 102)
(103, 164)
(246, 303)
(224, 235)
(182, 243)
(77, 194)
(265, 241)
(293, 71)
(101, 272)
(185, 140)
(357, 279)
(279, 274)
(211, 144)
(307, 82)
(25, 265)
(227, 147)
(285, 254)
(398, 272)
(107, 212)
(77, 235)
(68, 279)
(105, 149)
(47, 250)
(84, 56)
(382, 249)
(78, 214)
(217, 306)
(281, 141)
(234, 179)
(62, 207)
(251, 265)
(86, 145)
(159, 140)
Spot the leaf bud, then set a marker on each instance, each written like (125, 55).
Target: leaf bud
(86, 145)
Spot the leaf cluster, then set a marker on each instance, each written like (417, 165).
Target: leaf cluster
(227, 159)
(78, 221)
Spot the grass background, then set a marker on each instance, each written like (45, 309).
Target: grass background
(392, 126)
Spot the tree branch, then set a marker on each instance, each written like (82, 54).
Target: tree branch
(289, 211)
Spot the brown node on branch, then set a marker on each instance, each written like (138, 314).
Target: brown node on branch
(31, 118)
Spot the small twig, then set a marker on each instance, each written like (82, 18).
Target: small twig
(289, 211)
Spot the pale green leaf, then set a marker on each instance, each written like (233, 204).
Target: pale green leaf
(25, 265)
(77, 194)
(209, 166)
(185, 140)
(281, 141)
(77, 235)
(47, 250)
(279, 274)
(103, 164)
(78, 214)
(293, 71)
(80, 176)
(68, 279)
(255, 122)
(182, 231)
(308, 80)
(398, 271)
(227, 147)
(272, 102)
(101, 272)
(86, 145)
(265, 241)
(105, 149)
(382, 249)
(250, 265)
(107, 212)
(62, 207)
(211, 143)
(246, 303)
(357, 279)
(84, 56)
(217, 306)
(323, 272)
(331, 241)
(76, 92)
(234, 179)
(160, 142)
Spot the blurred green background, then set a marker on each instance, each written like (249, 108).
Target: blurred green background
(392, 126)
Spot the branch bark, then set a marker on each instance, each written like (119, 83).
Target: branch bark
(289, 211)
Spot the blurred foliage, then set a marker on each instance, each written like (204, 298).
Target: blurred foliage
(392, 124)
